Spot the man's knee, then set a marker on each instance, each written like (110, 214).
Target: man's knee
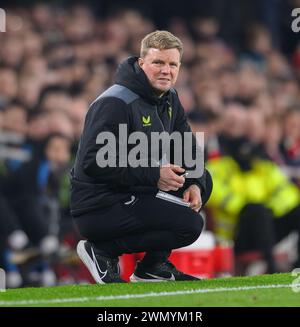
(191, 229)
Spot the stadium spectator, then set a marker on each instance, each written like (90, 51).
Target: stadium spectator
(253, 203)
(30, 187)
(8, 85)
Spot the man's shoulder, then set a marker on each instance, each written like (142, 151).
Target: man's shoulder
(120, 92)
(174, 96)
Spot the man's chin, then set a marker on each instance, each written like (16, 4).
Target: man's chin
(162, 89)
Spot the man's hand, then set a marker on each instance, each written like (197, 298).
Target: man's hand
(169, 180)
(193, 195)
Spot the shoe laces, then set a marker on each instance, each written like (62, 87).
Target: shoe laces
(171, 268)
(168, 265)
(111, 263)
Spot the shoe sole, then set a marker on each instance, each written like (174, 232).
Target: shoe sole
(135, 279)
(89, 263)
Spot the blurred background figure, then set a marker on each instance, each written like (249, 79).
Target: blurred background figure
(253, 203)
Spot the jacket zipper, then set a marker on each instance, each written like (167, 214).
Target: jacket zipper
(159, 118)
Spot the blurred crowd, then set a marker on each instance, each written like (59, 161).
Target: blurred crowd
(55, 61)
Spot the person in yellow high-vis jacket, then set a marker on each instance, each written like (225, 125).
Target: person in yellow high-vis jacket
(253, 203)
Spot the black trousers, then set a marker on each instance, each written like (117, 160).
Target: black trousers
(147, 224)
(258, 229)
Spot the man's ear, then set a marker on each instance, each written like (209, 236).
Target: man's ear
(141, 62)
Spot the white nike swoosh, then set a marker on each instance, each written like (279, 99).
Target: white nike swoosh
(97, 265)
(130, 201)
(159, 277)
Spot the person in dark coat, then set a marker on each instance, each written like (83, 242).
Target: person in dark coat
(114, 205)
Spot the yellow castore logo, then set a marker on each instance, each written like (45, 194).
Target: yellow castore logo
(146, 121)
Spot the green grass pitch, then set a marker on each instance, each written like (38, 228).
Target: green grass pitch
(266, 290)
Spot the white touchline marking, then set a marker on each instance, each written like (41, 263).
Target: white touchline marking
(152, 294)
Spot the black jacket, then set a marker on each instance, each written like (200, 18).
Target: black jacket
(130, 101)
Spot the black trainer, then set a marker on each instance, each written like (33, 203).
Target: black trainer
(103, 269)
(160, 272)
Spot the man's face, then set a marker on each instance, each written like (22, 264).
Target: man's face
(58, 151)
(161, 67)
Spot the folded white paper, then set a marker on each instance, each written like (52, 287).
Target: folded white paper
(172, 198)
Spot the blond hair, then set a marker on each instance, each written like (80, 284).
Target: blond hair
(160, 40)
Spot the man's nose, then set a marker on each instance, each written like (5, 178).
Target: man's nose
(166, 69)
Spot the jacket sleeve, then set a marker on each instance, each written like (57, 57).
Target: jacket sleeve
(105, 115)
(205, 181)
